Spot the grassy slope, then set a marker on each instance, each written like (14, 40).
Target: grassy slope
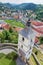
(39, 55)
(32, 60)
(5, 61)
(15, 23)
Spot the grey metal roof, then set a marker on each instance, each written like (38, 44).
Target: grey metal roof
(26, 33)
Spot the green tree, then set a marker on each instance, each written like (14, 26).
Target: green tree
(10, 30)
(2, 38)
(41, 40)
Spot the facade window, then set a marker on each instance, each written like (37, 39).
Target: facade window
(31, 40)
(30, 47)
(21, 46)
(29, 52)
(23, 39)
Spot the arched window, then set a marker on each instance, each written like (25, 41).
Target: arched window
(21, 46)
(23, 39)
(31, 40)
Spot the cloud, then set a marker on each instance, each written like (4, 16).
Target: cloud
(22, 1)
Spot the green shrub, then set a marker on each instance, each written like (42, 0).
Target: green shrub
(9, 36)
(1, 55)
(11, 55)
(41, 40)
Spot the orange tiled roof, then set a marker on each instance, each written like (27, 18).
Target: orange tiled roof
(6, 26)
(17, 29)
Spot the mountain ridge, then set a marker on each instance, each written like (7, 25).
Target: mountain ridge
(23, 6)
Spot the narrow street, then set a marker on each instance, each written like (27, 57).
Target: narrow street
(19, 61)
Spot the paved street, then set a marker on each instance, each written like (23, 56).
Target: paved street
(6, 51)
(19, 61)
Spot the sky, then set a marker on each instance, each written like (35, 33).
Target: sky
(22, 1)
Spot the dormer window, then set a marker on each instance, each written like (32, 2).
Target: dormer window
(23, 39)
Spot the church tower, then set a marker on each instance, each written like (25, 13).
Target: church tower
(26, 41)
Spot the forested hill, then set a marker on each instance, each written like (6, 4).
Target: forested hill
(36, 8)
(23, 6)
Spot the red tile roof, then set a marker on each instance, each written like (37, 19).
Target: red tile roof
(39, 30)
(6, 27)
(37, 23)
(17, 29)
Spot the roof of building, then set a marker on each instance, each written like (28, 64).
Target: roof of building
(2, 22)
(24, 32)
(37, 23)
(39, 30)
(17, 29)
(6, 27)
(38, 26)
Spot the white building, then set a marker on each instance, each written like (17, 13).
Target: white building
(26, 41)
